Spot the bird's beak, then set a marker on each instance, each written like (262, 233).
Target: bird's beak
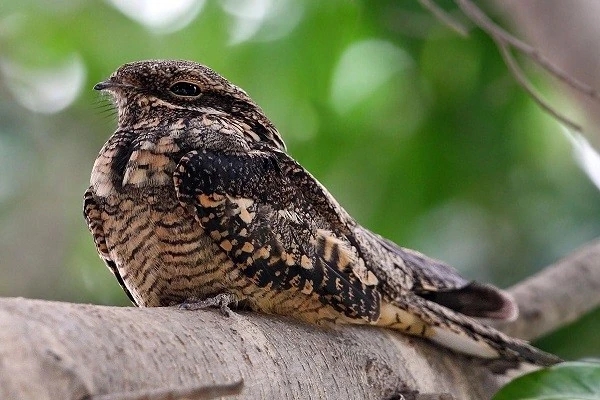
(108, 84)
(103, 85)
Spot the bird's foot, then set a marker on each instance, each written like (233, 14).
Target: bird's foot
(222, 300)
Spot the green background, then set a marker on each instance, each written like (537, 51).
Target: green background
(421, 134)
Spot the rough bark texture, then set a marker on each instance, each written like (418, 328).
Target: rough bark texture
(51, 350)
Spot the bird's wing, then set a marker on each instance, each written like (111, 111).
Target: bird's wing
(92, 213)
(283, 230)
(444, 301)
(402, 270)
(274, 221)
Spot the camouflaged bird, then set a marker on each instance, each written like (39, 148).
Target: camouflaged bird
(194, 201)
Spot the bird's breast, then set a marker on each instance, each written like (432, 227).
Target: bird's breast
(134, 163)
(159, 248)
(161, 251)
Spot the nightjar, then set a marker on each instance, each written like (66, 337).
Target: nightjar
(194, 200)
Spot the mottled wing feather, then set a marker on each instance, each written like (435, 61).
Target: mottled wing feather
(254, 207)
(92, 214)
(402, 269)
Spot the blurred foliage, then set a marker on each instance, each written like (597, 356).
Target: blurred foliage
(422, 135)
(565, 381)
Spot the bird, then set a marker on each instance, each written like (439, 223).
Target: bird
(195, 202)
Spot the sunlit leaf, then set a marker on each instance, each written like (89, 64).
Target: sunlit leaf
(566, 381)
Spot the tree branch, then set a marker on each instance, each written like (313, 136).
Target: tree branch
(505, 42)
(500, 35)
(558, 295)
(443, 16)
(52, 350)
(522, 80)
(568, 47)
(561, 293)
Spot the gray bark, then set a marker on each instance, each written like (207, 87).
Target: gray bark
(52, 350)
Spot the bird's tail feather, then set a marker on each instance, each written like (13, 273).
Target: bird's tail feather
(461, 333)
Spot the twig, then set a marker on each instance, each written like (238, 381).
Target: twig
(505, 42)
(563, 292)
(517, 72)
(500, 35)
(446, 18)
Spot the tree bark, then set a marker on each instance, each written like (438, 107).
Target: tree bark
(52, 350)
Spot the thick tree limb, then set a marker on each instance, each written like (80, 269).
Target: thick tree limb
(51, 350)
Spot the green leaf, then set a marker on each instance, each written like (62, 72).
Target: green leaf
(570, 380)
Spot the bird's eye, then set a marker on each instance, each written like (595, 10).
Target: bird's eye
(186, 89)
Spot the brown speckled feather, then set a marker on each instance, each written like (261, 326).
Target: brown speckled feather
(194, 200)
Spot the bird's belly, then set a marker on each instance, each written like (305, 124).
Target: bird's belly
(293, 303)
(161, 251)
(165, 258)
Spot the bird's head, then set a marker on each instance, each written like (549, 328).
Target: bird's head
(148, 91)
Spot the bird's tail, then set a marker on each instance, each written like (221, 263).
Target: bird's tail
(458, 332)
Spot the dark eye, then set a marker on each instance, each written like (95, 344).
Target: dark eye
(185, 89)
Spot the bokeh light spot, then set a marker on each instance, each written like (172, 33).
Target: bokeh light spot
(363, 68)
(45, 90)
(159, 15)
(262, 20)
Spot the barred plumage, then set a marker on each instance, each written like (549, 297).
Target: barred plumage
(194, 201)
